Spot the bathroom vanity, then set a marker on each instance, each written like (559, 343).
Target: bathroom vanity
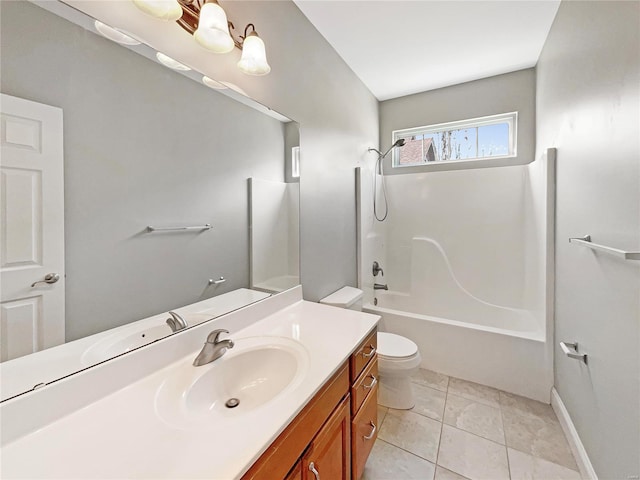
(304, 374)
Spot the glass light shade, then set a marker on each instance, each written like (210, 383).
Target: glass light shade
(169, 62)
(213, 29)
(114, 35)
(254, 56)
(169, 10)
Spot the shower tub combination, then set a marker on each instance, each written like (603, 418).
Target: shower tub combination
(460, 250)
(463, 336)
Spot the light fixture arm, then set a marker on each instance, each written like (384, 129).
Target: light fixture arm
(191, 14)
(241, 38)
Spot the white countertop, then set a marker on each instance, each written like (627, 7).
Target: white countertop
(21, 374)
(121, 435)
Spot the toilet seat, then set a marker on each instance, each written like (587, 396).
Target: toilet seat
(395, 347)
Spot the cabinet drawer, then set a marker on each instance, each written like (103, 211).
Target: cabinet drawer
(364, 431)
(363, 355)
(364, 385)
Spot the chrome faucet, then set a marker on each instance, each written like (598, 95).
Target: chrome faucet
(176, 322)
(213, 348)
(377, 286)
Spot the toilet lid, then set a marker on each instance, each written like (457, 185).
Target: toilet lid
(392, 345)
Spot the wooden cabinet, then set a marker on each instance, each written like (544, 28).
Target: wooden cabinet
(333, 435)
(364, 403)
(328, 456)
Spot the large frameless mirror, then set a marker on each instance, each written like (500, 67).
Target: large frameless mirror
(150, 209)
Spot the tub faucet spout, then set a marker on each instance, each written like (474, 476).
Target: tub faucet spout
(377, 286)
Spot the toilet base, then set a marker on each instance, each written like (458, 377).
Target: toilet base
(396, 392)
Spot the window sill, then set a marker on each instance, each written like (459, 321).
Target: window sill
(507, 161)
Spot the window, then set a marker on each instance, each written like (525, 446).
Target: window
(474, 139)
(295, 162)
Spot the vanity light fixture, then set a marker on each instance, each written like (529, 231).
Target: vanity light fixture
(169, 62)
(114, 34)
(207, 21)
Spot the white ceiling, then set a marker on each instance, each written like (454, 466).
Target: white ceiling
(400, 47)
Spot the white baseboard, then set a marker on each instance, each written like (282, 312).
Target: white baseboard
(577, 448)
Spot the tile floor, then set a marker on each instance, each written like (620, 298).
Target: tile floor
(461, 430)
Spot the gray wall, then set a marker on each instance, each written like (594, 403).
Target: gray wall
(587, 106)
(510, 92)
(338, 118)
(143, 146)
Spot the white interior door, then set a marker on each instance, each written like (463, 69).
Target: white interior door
(32, 227)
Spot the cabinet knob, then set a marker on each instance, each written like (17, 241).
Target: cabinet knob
(315, 472)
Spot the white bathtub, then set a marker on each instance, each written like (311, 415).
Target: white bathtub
(463, 336)
(511, 360)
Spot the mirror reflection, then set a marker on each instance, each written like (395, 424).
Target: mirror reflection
(119, 142)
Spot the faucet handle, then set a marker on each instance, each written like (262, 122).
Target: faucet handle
(213, 336)
(176, 322)
(377, 269)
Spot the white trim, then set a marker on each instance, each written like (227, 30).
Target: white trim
(577, 448)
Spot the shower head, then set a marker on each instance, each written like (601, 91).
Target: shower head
(398, 143)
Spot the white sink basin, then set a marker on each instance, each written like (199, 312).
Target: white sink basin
(123, 342)
(255, 372)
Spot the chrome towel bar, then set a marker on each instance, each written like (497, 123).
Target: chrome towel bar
(571, 351)
(206, 226)
(586, 242)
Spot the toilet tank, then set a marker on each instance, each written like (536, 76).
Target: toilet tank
(346, 297)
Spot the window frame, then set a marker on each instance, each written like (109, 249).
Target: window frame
(511, 118)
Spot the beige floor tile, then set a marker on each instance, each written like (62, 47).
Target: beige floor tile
(526, 405)
(431, 379)
(382, 412)
(444, 474)
(429, 401)
(532, 427)
(526, 467)
(412, 432)
(387, 462)
(471, 456)
(474, 417)
(474, 391)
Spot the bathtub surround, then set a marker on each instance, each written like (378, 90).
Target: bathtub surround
(587, 99)
(465, 255)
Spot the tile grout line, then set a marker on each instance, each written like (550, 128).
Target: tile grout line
(407, 451)
(504, 433)
(442, 428)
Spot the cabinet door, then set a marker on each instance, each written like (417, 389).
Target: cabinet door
(365, 431)
(328, 456)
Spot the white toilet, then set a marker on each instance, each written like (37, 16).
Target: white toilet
(398, 357)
